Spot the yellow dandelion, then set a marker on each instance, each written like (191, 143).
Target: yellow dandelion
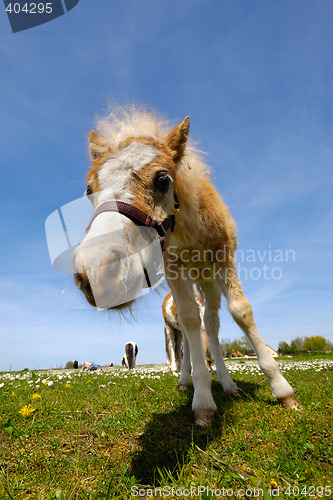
(89, 381)
(273, 483)
(13, 394)
(67, 385)
(36, 396)
(27, 410)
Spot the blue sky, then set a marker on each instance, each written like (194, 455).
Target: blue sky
(256, 79)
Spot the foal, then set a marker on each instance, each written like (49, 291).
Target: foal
(156, 171)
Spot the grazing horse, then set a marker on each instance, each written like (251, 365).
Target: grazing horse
(174, 336)
(131, 352)
(86, 365)
(146, 174)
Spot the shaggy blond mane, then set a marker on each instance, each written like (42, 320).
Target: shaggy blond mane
(134, 121)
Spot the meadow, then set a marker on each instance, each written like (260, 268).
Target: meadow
(117, 434)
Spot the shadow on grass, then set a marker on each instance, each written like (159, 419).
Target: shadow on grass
(169, 437)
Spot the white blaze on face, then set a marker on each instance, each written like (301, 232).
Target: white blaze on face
(114, 177)
(116, 172)
(108, 253)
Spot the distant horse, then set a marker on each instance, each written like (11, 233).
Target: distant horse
(145, 174)
(131, 352)
(86, 365)
(174, 339)
(90, 367)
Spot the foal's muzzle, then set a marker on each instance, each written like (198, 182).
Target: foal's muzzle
(118, 267)
(110, 269)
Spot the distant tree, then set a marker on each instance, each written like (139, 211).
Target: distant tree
(315, 344)
(284, 348)
(69, 365)
(236, 346)
(297, 345)
(309, 345)
(242, 345)
(225, 347)
(247, 347)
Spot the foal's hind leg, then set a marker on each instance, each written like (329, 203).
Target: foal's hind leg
(212, 294)
(185, 376)
(241, 311)
(172, 347)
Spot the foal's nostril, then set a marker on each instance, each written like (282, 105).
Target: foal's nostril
(103, 290)
(78, 280)
(83, 284)
(112, 271)
(87, 288)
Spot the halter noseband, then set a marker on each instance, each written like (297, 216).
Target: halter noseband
(137, 216)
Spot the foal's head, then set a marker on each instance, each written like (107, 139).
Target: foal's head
(139, 169)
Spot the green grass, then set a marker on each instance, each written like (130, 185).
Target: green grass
(103, 436)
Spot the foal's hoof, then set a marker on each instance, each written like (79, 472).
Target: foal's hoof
(290, 403)
(184, 386)
(204, 417)
(234, 392)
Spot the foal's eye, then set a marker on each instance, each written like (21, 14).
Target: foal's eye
(88, 191)
(162, 182)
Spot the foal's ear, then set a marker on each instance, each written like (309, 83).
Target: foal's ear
(97, 145)
(177, 139)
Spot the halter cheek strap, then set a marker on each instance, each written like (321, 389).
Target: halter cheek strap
(137, 216)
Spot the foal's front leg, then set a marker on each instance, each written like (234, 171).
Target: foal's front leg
(203, 404)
